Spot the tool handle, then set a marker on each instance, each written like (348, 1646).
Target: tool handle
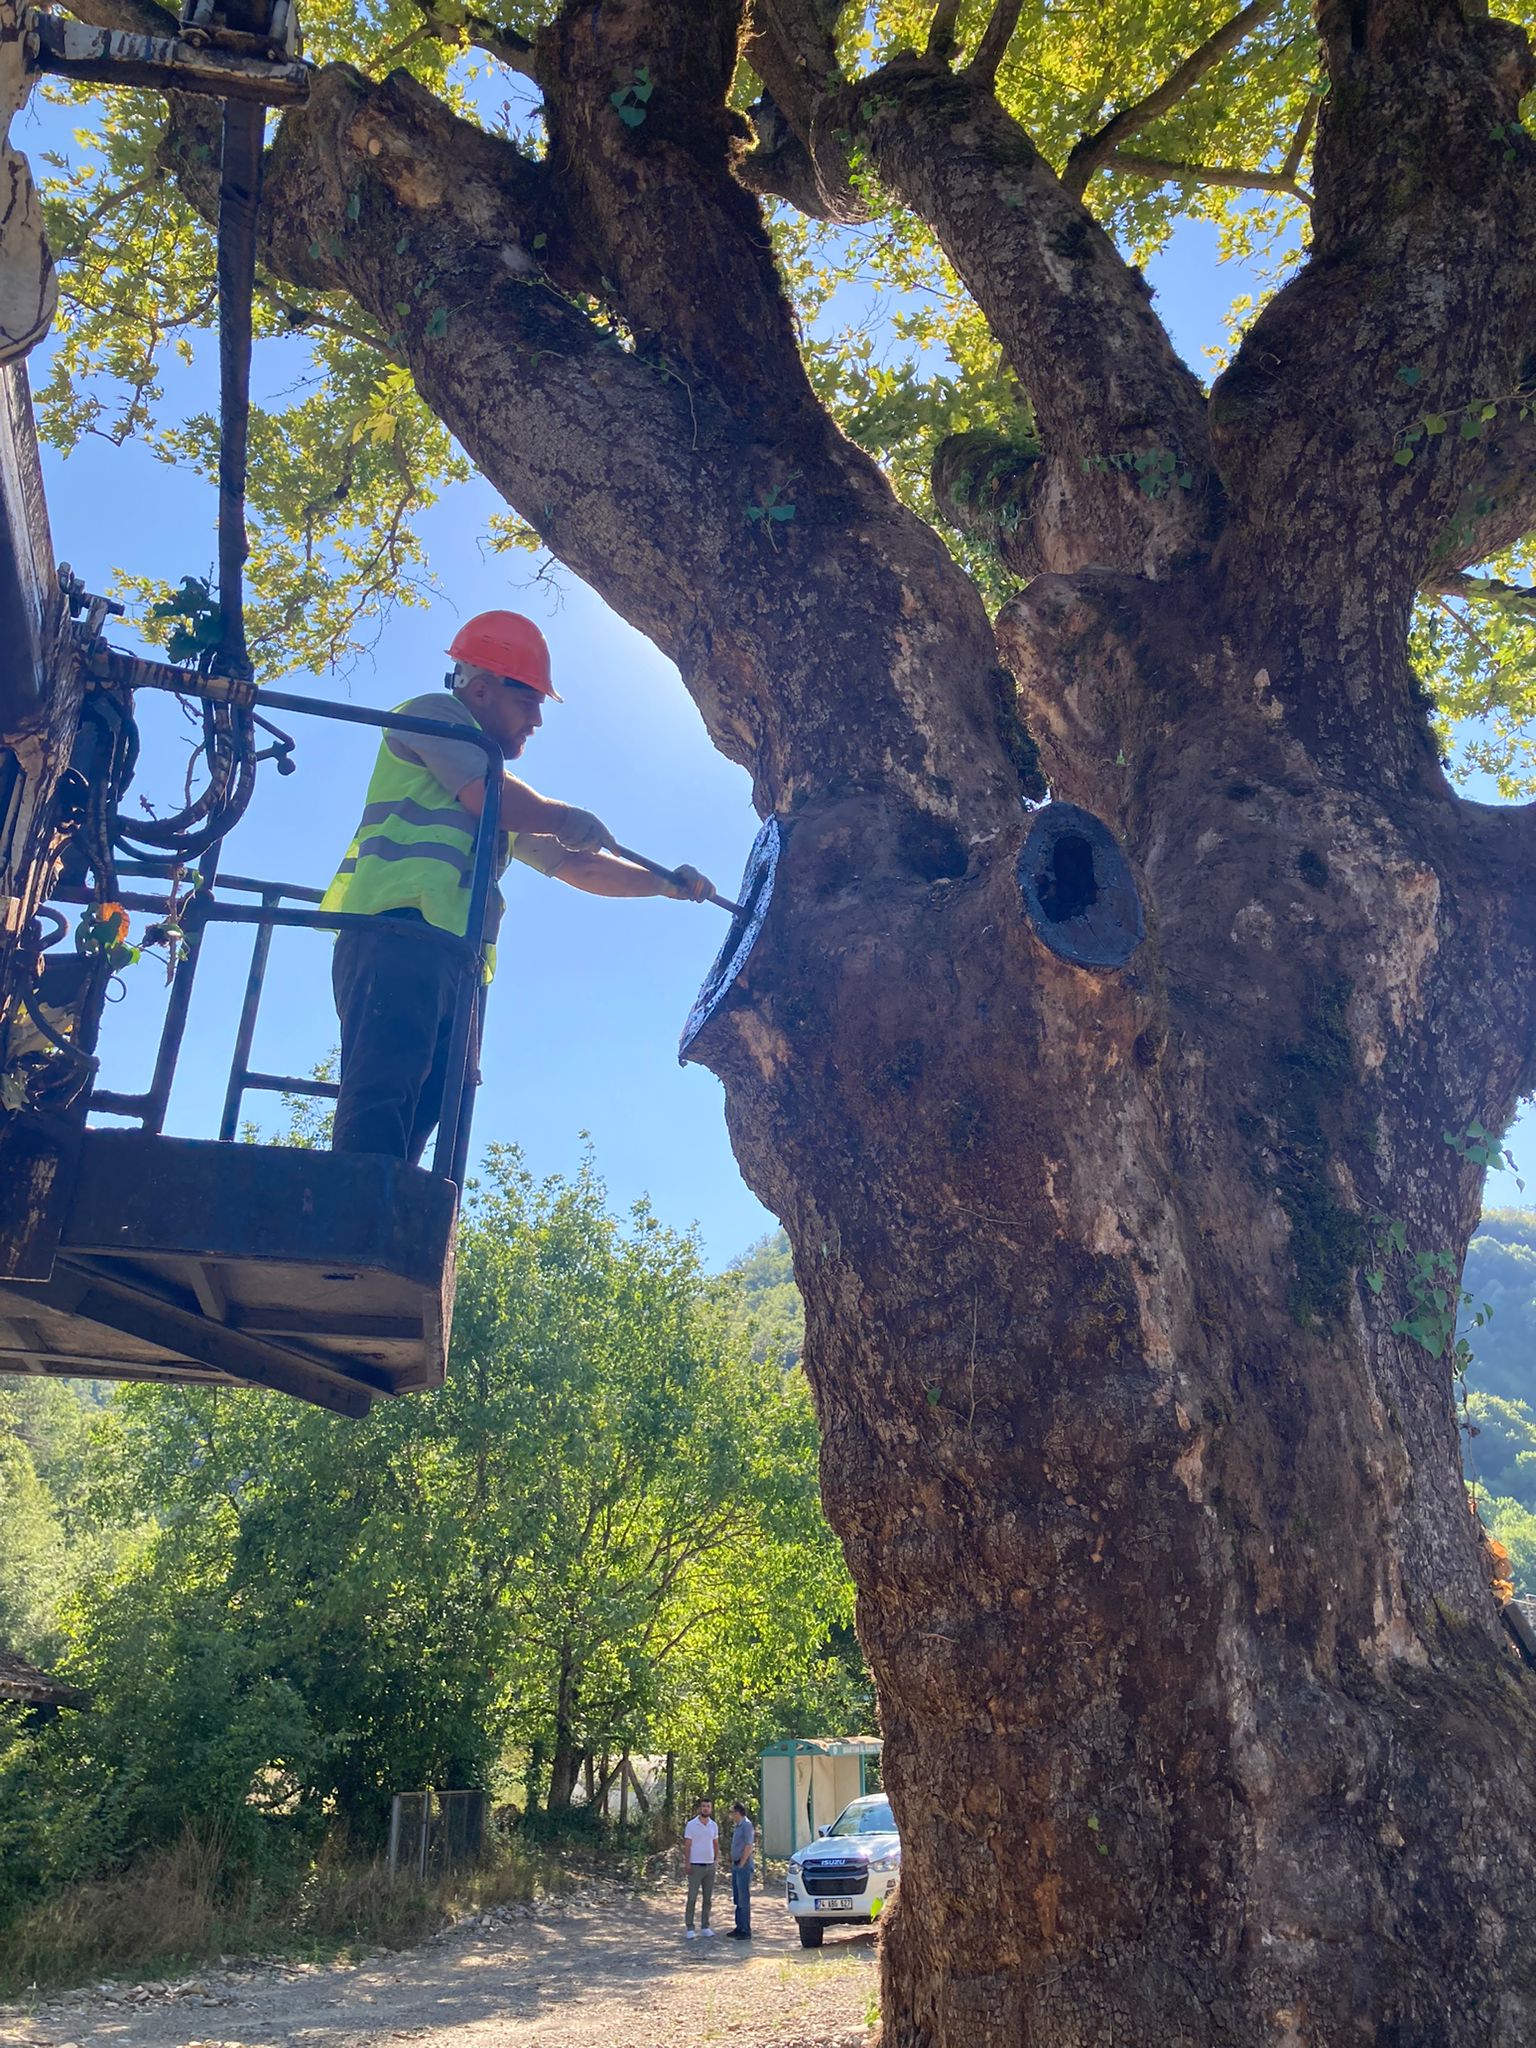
(669, 875)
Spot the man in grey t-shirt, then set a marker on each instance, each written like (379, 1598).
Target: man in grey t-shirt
(743, 1845)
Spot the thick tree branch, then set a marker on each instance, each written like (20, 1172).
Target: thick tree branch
(651, 187)
(1497, 508)
(1510, 597)
(381, 192)
(1096, 150)
(995, 38)
(1422, 95)
(1165, 171)
(986, 486)
(780, 167)
(791, 45)
(941, 30)
(1415, 312)
(506, 45)
(1299, 141)
(1121, 419)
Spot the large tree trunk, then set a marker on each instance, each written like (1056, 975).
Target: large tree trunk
(1201, 1723)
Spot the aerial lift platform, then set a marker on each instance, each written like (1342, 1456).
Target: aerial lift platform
(125, 1253)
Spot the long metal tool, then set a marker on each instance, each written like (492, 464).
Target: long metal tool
(654, 867)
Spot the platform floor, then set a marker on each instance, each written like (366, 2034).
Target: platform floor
(325, 1276)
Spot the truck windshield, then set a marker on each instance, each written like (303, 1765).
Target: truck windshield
(867, 1817)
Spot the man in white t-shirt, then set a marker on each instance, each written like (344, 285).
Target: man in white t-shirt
(701, 1847)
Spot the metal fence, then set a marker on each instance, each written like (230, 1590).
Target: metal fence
(432, 1832)
(195, 912)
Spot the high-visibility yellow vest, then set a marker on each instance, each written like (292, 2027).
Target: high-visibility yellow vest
(414, 849)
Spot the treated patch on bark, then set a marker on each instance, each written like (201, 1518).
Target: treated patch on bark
(1078, 890)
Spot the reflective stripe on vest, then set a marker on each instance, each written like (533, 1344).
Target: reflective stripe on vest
(413, 850)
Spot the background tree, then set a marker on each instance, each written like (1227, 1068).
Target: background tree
(45, 1448)
(645, 1487)
(602, 1537)
(1129, 1292)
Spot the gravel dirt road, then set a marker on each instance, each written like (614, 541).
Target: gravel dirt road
(606, 1969)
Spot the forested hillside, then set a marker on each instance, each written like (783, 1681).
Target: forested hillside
(602, 1536)
(1500, 1406)
(766, 1276)
(1500, 1447)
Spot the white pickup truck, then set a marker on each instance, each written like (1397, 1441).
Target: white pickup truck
(846, 1876)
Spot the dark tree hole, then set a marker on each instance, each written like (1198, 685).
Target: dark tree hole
(1067, 887)
(933, 849)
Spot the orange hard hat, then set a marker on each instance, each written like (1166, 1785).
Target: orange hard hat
(508, 645)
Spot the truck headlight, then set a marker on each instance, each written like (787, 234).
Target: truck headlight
(885, 1863)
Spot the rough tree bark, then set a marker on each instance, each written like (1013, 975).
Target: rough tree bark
(1201, 1724)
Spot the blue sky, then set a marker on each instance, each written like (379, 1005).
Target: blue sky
(582, 1030)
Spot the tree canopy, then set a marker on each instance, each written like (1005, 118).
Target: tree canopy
(1158, 116)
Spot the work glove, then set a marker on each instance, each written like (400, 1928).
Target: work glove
(581, 831)
(687, 885)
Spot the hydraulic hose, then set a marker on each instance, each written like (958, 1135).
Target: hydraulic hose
(239, 200)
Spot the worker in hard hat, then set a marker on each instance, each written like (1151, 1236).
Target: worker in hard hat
(411, 859)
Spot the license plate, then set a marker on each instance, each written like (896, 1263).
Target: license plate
(834, 1905)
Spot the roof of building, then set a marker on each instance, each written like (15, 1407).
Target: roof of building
(826, 1745)
(24, 1683)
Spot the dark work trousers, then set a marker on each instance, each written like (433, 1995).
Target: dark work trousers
(395, 996)
(741, 1895)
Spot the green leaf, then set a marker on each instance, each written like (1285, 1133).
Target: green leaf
(354, 206)
(1435, 423)
(437, 323)
(1408, 375)
(1376, 1280)
(631, 116)
(1403, 457)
